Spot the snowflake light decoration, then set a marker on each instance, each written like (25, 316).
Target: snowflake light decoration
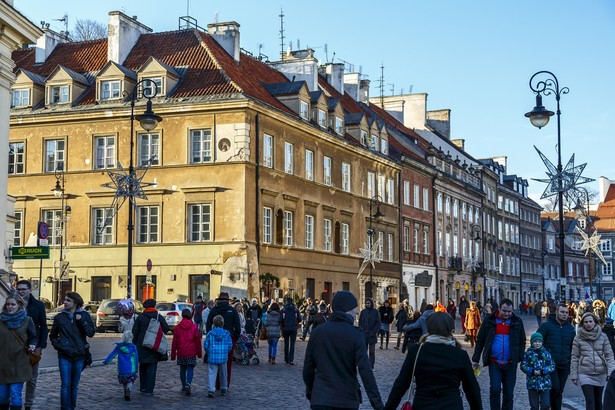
(472, 264)
(126, 185)
(591, 243)
(570, 175)
(370, 256)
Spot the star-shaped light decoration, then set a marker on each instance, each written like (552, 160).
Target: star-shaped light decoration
(126, 185)
(472, 264)
(370, 256)
(571, 177)
(591, 243)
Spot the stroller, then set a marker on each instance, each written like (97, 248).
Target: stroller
(243, 351)
(253, 328)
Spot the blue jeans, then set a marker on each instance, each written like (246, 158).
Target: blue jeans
(273, 346)
(502, 381)
(185, 374)
(11, 393)
(70, 374)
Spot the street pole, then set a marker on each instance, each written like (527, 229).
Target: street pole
(377, 201)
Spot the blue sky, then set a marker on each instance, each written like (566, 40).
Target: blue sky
(474, 57)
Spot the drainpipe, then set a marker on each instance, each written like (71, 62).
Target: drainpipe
(400, 224)
(435, 237)
(257, 199)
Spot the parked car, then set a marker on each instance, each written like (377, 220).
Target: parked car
(91, 308)
(172, 311)
(108, 315)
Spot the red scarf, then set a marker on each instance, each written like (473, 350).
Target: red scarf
(152, 309)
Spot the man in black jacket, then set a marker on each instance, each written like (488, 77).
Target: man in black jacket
(36, 310)
(289, 324)
(336, 349)
(231, 323)
(369, 321)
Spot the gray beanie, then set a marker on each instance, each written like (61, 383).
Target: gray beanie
(343, 301)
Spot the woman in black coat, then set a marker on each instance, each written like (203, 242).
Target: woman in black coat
(440, 368)
(148, 358)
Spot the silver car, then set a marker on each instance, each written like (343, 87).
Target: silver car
(172, 311)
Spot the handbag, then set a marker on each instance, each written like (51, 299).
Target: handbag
(35, 356)
(87, 361)
(263, 335)
(154, 337)
(408, 404)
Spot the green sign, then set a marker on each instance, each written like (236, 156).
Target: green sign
(30, 252)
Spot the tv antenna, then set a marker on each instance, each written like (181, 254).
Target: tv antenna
(281, 31)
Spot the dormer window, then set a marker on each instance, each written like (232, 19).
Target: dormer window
(322, 118)
(110, 90)
(364, 141)
(303, 110)
(384, 146)
(21, 97)
(59, 94)
(375, 143)
(152, 87)
(339, 125)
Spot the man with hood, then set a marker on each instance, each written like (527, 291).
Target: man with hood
(335, 351)
(289, 324)
(421, 322)
(369, 321)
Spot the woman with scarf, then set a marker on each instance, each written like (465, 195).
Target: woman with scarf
(441, 366)
(68, 337)
(16, 331)
(472, 322)
(148, 358)
(592, 361)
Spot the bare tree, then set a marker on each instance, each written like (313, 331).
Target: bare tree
(580, 196)
(86, 29)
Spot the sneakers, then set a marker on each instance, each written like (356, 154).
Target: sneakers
(223, 392)
(126, 394)
(210, 394)
(396, 348)
(188, 390)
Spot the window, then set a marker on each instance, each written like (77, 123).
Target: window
(407, 238)
(406, 192)
(288, 228)
(148, 149)
(288, 158)
(322, 118)
(303, 110)
(309, 165)
(464, 211)
(380, 245)
(59, 95)
(103, 226)
(53, 219)
(606, 269)
(471, 215)
(339, 125)
(200, 146)
(346, 176)
(426, 241)
(309, 231)
(440, 243)
(425, 199)
(605, 245)
(384, 146)
(455, 245)
(345, 236)
(417, 198)
(447, 205)
(371, 184)
(200, 222)
(500, 201)
(415, 238)
(268, 151)
(456, 208)
(390, 191)
(364, 141)
(17, 228)
(439, 202)
(327, 235)
(390, 246)
(148, 224)
(267, 224)
(327, 171)
(151, 84)
(109, 90)
(381, 187)
(16, 158)
(104, 152)
(375, 142)
(21, 97)
(448, 244)
(54, 155)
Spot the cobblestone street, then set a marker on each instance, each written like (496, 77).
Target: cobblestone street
(260, 386)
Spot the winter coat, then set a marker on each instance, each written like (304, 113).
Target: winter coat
(68, 334)
(197, 312)
(15, 364)
(369, 321)
(420, 323)
(311, 312)
(609, 331)
(335, 351)
(487, 338)
(127, 358)
(186, 340)
(386, 315)
(147, 355)
(472, 319)
(36, 310)
(591, 354)
(413, 336)
(290, 318)
(557, 339)
(452, 310)
(463, 306)
(218, 344)
(402, 318)
(609, 393)
(440, 369)
(230, 316)
(320, 318)
(538, 309)
(611, 312)
(537, 359)
(272, 324)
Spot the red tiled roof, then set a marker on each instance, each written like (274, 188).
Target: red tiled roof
(605, 214)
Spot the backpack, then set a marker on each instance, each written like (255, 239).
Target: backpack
(289, 318)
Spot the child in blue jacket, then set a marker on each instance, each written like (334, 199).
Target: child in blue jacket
(127, 362)
(217, 344)
(537, 364)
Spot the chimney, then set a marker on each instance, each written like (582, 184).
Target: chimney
(227, 35)
(351, 84)
(124, 32)
(299, 65)
(603, 185)
(334, 73)
(364, 90)
(45, 44)
(440, 120)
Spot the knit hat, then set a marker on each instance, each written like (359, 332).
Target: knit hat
(535, 336)
(343, 301)
(149, 303)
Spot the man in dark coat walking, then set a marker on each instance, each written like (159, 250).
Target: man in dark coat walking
(231, 323)
(289, 324)
(335, 351)
(36, 310)
(369, 321)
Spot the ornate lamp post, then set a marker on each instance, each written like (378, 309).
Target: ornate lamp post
(376, 201)
(59, 192)
(475, 264)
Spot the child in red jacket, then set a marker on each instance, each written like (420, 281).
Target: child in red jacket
(186, 347)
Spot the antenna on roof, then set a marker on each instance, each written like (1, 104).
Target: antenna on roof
(346, 63)
(392, 88)
(216, 17)
(64, 19)
(327, 53)
(187, 7)
(381, 86)
(281, 31)
(298, 44)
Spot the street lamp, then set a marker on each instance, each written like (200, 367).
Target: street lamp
(148, 121)
(539, 117)
(475, 266)
(59, 192)
(376, 201)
